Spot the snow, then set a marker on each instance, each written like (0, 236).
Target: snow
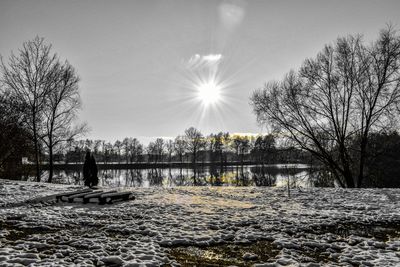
(311, 228)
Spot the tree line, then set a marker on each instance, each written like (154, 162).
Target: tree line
(191, 147)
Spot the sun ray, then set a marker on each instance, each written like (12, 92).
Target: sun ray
(206, 90)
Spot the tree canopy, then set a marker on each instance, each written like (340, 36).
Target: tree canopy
(332, 104)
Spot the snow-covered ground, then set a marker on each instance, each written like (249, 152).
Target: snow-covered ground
(315, 226)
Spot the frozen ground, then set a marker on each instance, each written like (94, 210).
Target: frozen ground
(214, 225)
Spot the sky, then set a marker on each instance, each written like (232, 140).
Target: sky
(153, 68)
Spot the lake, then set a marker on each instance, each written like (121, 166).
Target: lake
(248, 175)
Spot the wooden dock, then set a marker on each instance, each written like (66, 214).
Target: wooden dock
(99, 196)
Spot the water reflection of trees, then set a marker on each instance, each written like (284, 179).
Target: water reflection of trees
(133, 178)
(106, 178)
(242, 176)
(261, 177)
(320, 178)
(202, 176)
(67, 177)
(215, 177)
(155, 177)
(180, 178)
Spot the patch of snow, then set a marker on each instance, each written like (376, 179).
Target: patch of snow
(141, 232)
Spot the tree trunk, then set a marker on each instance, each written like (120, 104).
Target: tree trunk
(36, 145)
(194, 167)
(194, 158)
(51, 167)
(237, 174)
(348, 177)
(221, 160)
(37, 160)
(363, 152)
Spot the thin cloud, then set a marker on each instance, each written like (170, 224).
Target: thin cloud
(198, 61)
(212, 58)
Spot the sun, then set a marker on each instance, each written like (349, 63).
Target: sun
(209, 92)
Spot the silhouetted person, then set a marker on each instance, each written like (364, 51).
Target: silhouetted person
(86, 169)
(94, 180)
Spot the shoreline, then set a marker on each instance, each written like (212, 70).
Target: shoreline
(183, 165)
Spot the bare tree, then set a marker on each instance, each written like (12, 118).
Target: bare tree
(194, 141)
(241, 145)
(96, 146)
(28, 77)
(169, 146)
(108, 151)
(263, 147)
(236, 142)
(334, 102)
(180, 147)
(159, 146)
(62, 102)
(133, 149)
(49, 91)
(218, 142)
(118, 147)
(125, 145)
(151, 152)
(137, 150)
(89, 144)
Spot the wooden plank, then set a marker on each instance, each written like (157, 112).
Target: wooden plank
(116, 194)
(67, 194)
(87, 198)
(108, 198)
(74, 192)
(81, 195)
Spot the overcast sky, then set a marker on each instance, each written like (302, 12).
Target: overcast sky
(141, 62)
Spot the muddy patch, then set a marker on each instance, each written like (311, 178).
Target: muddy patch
(224, 255)
(381, 231)
(16, 233)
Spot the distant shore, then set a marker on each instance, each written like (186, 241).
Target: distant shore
(184, 165)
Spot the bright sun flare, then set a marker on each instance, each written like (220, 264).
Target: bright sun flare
(209, 92)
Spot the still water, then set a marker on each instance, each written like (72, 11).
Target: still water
(276, 175)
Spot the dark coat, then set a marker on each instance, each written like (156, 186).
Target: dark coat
(86, 169)
(94, 180)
